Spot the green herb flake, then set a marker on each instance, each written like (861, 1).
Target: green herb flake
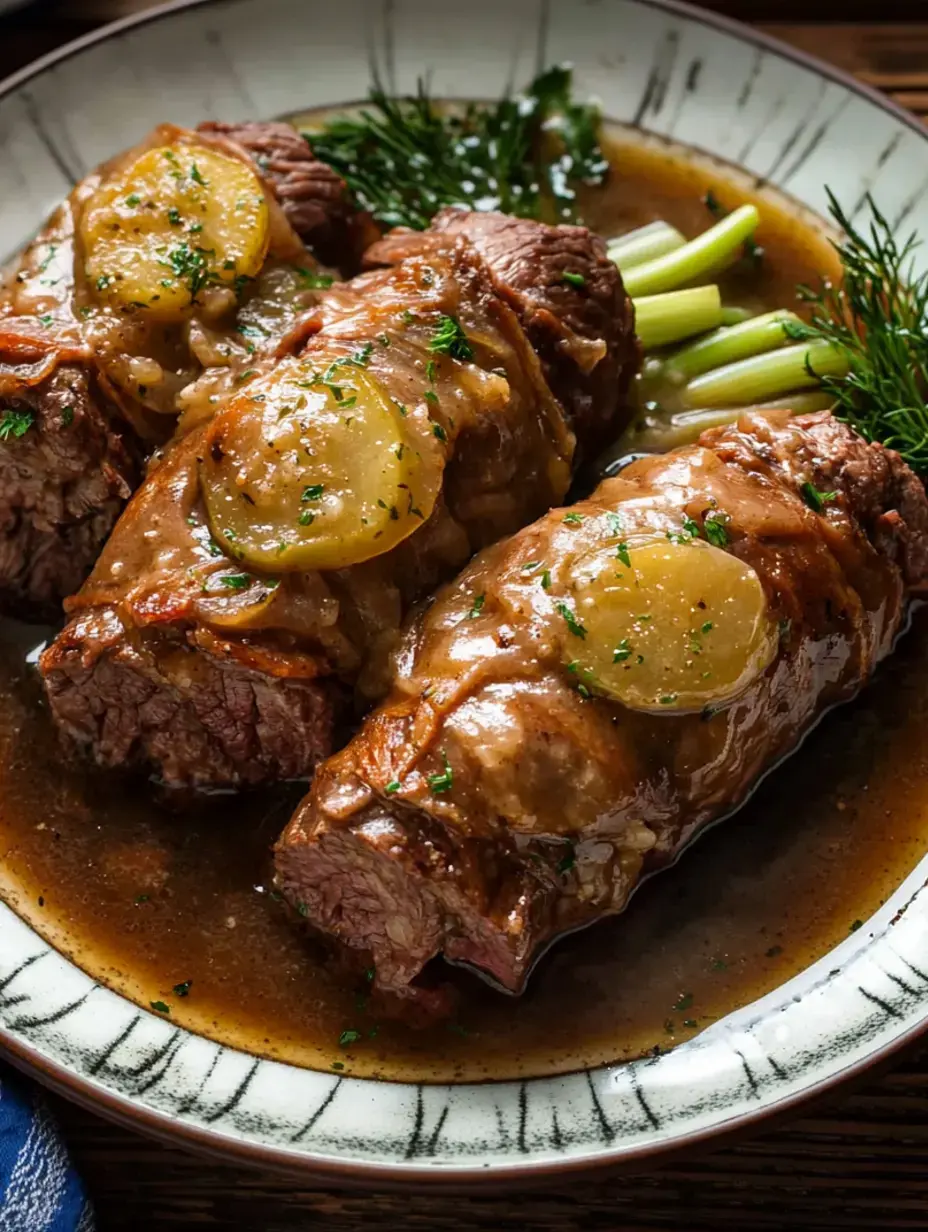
(707, 626)
(668, 699)
(431, 397)
(392, 787)
(622, 651)
(182, 989)
(476, 606)
(440, 783)
(350, 1036)
(572, 519)
(313, 492)
(546, 579)
(570, 619)
(622, 553)
(312, 280)
(568, 861)
(338, 1065)
(449, 339)
(160, 1007)
(684, 1003)
(438, 431)
(15, 423)
(714, 529)
(133, 200)
(141, 898)
(196, 176)
(575, 280)
(815, 499)
(235, 581)
(431, 371)
(855, 925)
(174, 217)
(306, 518)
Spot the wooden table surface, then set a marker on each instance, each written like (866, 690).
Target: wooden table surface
(860, 1160)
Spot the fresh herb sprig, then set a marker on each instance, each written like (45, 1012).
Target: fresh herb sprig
(877, 317)
(404, 159)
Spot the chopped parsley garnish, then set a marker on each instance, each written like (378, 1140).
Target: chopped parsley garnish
(450, 339)
(621, 552)
(392, 787)
(431, 371)
(570, 619)
(349, 1037)
(236, 581)
(440, 783)
(183, 988)
(438, 430)
(815, 499)
(476, 606)
(575, 280)
(16, 423)
(103, 282)
(431, 396)
(313, 492)
(686, 1000)
(160, 1007)
(707, 626)
(392, 509)
(141, 898)
(714, 529)
(196, 176)
(403, 159)
(691, 526)
(668, 699)
(855, 925)
(174, 217)
(572, 519)
(622, 651)
(133, 200)
(190, 266)
(313, 280)
(567, 861)
(306, 518)
(546, 579)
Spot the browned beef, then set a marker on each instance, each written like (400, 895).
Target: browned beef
(570, 298)
(73, 435)
(315, 198)
(495, 802)
(151, 610)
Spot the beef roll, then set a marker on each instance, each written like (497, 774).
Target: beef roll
(589, 694)
(165, 275)
(261, 574)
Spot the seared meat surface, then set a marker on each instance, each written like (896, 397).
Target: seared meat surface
(173, 656)
(315, 198)
(87, 389)
(570, 299)
(562, 723)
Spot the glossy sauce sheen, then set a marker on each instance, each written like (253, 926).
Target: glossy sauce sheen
(146, 897)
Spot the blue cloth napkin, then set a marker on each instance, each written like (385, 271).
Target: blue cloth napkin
(39, 1189)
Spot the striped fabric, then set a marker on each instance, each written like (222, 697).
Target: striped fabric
(39, 1189)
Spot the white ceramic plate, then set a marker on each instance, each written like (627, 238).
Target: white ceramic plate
(660, 65)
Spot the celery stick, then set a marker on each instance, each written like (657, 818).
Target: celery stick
(662, 319)
(700, 258)
(726, 345)
(644, 244)
(762, 377)
(734, 316)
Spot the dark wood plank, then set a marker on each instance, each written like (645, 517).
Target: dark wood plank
(858, 1162)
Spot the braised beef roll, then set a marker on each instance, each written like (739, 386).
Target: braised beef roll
(260, 576)
(569, 713)
(166, 273)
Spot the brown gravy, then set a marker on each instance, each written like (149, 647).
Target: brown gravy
(147, 898)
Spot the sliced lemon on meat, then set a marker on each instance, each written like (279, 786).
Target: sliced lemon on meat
(670, 626)
(176, 222)
(309, 470)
